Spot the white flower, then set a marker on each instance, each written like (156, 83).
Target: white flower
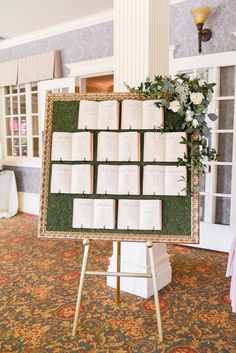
(195, 123)
(189, 115)
(201, 83)
(196, 98)
(174, 106)
(183, 92)
(209, 95)
(189, 118)
(189, 112)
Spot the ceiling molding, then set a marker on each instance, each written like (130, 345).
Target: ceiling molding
(100, 17)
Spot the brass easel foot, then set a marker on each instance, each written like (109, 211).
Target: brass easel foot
(81, 282)
(149, 245)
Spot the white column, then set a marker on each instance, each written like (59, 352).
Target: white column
(141, 50)
(141, 41)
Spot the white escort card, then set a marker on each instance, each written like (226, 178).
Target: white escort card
(92, 213)
(67, 146)
(72, 179)
(140, 214)
(114, 146)
(122, 179)
(164, 180)
(141, 115)
(165, 147)
(98, 115)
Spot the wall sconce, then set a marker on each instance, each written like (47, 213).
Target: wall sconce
(200, 15)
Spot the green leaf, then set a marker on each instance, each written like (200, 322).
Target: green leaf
(200, 118)
(189, 130)
(165, 103)
(206, 131)
(212, 116)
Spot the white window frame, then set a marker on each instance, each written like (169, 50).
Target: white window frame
(21, 161)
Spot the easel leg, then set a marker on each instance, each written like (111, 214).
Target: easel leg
(82, 275)
(154, 280)
(118, 255)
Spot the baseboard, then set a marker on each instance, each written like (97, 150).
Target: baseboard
(28, 202)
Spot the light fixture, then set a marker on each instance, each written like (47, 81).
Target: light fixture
(200, 15)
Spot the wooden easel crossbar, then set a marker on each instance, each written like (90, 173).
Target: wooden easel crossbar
(118, 274)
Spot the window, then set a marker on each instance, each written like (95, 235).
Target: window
(21, 120)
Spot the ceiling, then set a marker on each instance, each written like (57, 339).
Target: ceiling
(18, 17)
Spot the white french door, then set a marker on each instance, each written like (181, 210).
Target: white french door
(61, 85)
(218, 185)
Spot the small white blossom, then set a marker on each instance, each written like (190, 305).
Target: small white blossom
(189, 118)
(183, 92)
(174, 106)
(209, 95)
(189, 115)
(189, 112)
(196, 98)
(195, 123)
(201, 83)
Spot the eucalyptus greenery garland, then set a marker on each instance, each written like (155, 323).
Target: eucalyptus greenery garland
(185, 101)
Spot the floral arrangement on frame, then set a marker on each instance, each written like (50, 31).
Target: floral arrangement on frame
(185, 101)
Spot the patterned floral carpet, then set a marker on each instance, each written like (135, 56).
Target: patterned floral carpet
(38, 288)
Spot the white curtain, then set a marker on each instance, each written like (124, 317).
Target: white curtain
(34, 68)
(39, 67)
(8, 73)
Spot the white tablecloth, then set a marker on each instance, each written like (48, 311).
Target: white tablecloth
(231, 271)
(8, 194)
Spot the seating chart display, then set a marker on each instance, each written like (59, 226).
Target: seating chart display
(110, 172)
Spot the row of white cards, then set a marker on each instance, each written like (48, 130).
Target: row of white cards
(122, 146)
(135, 114)
(132, 214)
(119, 180)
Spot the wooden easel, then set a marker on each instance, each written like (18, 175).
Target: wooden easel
(118, 274)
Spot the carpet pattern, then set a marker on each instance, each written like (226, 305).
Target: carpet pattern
(38, 289)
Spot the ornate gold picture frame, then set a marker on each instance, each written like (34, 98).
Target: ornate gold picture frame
(192, 236)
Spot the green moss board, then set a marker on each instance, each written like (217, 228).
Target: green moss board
(176, 209)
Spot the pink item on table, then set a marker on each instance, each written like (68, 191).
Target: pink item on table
(231, 271)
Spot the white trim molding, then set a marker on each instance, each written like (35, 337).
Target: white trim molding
(28, 202)
(86, 21)
(91, 67)
(200, 61)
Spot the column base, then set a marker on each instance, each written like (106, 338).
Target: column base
(134, 258)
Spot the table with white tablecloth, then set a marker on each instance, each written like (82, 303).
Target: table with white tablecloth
(231, 272)
(8, 194)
